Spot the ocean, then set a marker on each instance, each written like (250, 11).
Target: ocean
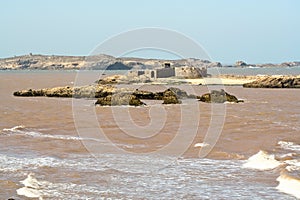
(61, 148)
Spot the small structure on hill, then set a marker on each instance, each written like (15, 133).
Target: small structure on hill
(168, 71)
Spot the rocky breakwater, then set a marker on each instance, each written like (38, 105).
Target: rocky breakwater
(275, 82)
(90, 91)
(108, 95)
(221, 96)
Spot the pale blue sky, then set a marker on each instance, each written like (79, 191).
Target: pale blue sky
(252, 30)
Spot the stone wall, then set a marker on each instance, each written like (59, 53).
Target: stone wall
(165, 72)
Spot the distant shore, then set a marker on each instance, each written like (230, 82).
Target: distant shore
(102, 61)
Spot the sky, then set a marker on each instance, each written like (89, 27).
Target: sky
(255, 31)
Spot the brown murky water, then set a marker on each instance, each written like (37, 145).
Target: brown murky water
(79, 151)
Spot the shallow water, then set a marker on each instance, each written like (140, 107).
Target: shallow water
(255, 70)
(41, 143)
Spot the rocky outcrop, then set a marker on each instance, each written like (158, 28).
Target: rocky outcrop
(275, 82)
(181, 94)
(142, 94)
(189, 72)
(114, 79)
(122, 79)
(91, 91)
(108, 94)
(266, 65)
(119, 99)
(170, 97)
(221, 96)
(240, 63)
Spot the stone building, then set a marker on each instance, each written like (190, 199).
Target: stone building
(168, 71)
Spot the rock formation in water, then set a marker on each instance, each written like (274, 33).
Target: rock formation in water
(170, 97)
(108, 94)
(119, 99)
(242, 64)
(91, 91)
(221, 96)
(275, 82)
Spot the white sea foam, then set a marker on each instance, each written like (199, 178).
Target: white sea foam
(31, 182)
(294, 165)
(29, 192)
(289, 146)
(201, 145)
(262, 161)
(21, 130)
(289, 185)
(15, 128)
(31, 187)
(34, 188)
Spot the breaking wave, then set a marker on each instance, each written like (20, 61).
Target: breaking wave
(289, 184)
(22, 130)
(34, 188)
(262, 161)
(289, 146)
(289, 180)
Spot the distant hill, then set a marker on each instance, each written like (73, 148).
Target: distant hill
(100, 62)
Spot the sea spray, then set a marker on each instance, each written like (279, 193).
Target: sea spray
(289, 146)
(289, 184)
(262, 161)
(31, 187)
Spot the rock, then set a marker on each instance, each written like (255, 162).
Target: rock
(119, 99)
(275, 82)
(188, 72)
(240, 64)
(90, 91)
(169, 97)
(29, 93)
(216, 96)
(122, 79)
(109, 95)
(141, 94)
(181, 94)
(114, 79)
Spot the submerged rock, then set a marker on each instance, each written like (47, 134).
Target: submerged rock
(275, 82)
(221, 96)
(119, 99)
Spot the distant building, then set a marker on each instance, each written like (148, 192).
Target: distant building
(168, 71)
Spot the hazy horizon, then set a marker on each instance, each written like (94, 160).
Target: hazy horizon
(252, 31)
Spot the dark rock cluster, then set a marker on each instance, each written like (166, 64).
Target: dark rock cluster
(119, 99)
(221, 96)
(275, 82)
(108, 95)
